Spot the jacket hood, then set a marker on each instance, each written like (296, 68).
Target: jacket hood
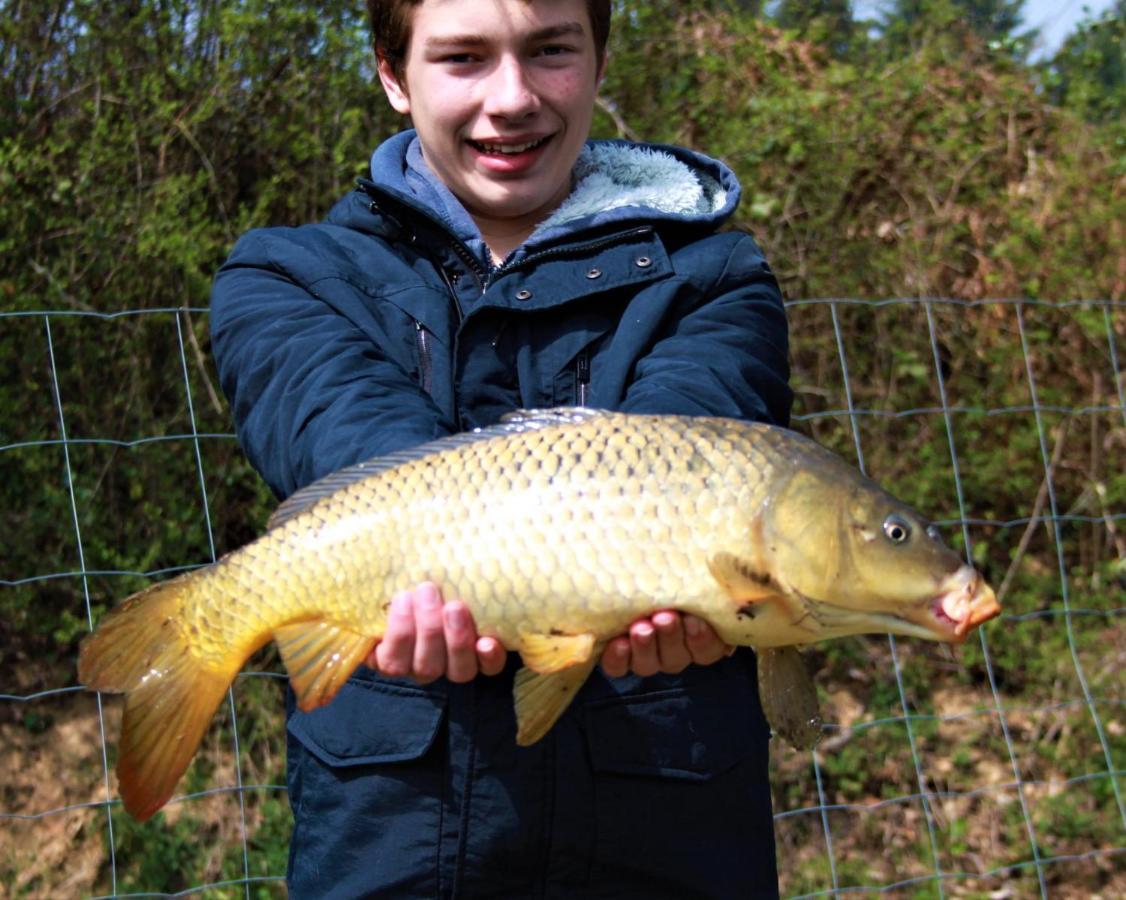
(615, 183)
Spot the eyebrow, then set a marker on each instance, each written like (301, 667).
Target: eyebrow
(565, 29)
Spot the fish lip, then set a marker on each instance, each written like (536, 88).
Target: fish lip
(964, 601)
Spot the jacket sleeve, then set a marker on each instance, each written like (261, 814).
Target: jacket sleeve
(726, 350)
(310, 392)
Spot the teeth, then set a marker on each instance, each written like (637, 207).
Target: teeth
(510, 149)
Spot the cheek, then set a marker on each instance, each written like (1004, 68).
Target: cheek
(570, 88)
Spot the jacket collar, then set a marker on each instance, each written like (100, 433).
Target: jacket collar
(617, 183)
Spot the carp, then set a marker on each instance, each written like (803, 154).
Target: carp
(558, 528)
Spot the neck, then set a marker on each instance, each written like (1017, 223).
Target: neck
(503, 234)
(503, 237)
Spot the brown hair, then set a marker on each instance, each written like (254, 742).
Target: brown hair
(390, 22)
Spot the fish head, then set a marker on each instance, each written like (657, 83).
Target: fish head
(862, 561)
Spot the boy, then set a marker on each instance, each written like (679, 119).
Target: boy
(497, 259)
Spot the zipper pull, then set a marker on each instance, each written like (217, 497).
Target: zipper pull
(425, 363)
(582, 377)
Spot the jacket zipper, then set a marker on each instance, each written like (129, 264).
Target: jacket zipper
(582, 377)
(484, 279)
(425, 361)
(479, 275)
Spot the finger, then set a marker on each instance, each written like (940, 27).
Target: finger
(704, 645)
(491, 656)
(643, 649)
(430, 639)
(671, 648)
(615, 658)
(393, 654)
(461, 639)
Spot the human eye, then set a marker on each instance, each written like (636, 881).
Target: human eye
(458, 58)
(556, 53)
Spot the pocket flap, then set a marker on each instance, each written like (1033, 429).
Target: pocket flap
(371, 721)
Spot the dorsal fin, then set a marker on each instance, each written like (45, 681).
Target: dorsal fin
(515, 422)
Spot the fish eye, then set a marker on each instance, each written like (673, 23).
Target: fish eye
(897, 529)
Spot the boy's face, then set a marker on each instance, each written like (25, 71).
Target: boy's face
(501, 93)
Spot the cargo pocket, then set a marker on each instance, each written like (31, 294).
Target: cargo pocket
(681, 791)
(366, 782)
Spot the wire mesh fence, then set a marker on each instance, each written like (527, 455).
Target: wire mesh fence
(995, 770)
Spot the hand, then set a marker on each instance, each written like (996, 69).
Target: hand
(427, 638)
(664, 642)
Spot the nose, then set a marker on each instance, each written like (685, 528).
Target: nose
(509, 92)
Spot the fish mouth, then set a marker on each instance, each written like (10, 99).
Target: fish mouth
(964, 601)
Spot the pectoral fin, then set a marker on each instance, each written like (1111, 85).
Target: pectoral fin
(789, 696)
(319, 657)
(547, 653)
(745, 582)
(542, 699)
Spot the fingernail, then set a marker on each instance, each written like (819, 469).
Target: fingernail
(400, 605)
(692, 625)
(428, 599)
(643, 632)
(458, 618)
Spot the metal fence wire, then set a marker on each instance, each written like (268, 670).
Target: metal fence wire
(995, 770)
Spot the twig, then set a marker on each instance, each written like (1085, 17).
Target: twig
(611, 109)
(212, 176)
(202, 364)
(1037, 508)
(1108, 520)
(46, 273)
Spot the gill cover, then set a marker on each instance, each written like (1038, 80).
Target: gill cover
(898, 558)
(843, 540)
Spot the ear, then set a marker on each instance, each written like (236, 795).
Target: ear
(396, 92)
(601, 73)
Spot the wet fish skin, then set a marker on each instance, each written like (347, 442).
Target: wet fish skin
(557, 530)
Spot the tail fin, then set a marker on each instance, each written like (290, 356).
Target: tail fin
(142, 649)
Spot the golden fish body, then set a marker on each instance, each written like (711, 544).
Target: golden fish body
(577, 529)
(557, 529)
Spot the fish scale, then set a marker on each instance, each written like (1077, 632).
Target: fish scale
(557, 529)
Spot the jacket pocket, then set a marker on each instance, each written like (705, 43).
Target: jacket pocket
(366, 775)
(689, 754)
(689, 733)
(371, 722)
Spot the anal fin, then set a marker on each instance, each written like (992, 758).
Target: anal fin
(542, 699)
(319, 656)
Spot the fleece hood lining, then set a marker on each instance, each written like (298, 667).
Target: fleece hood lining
(611, 176)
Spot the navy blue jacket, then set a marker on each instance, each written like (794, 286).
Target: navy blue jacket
(387, 326)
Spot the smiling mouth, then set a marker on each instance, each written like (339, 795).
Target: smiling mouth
(508, 149)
